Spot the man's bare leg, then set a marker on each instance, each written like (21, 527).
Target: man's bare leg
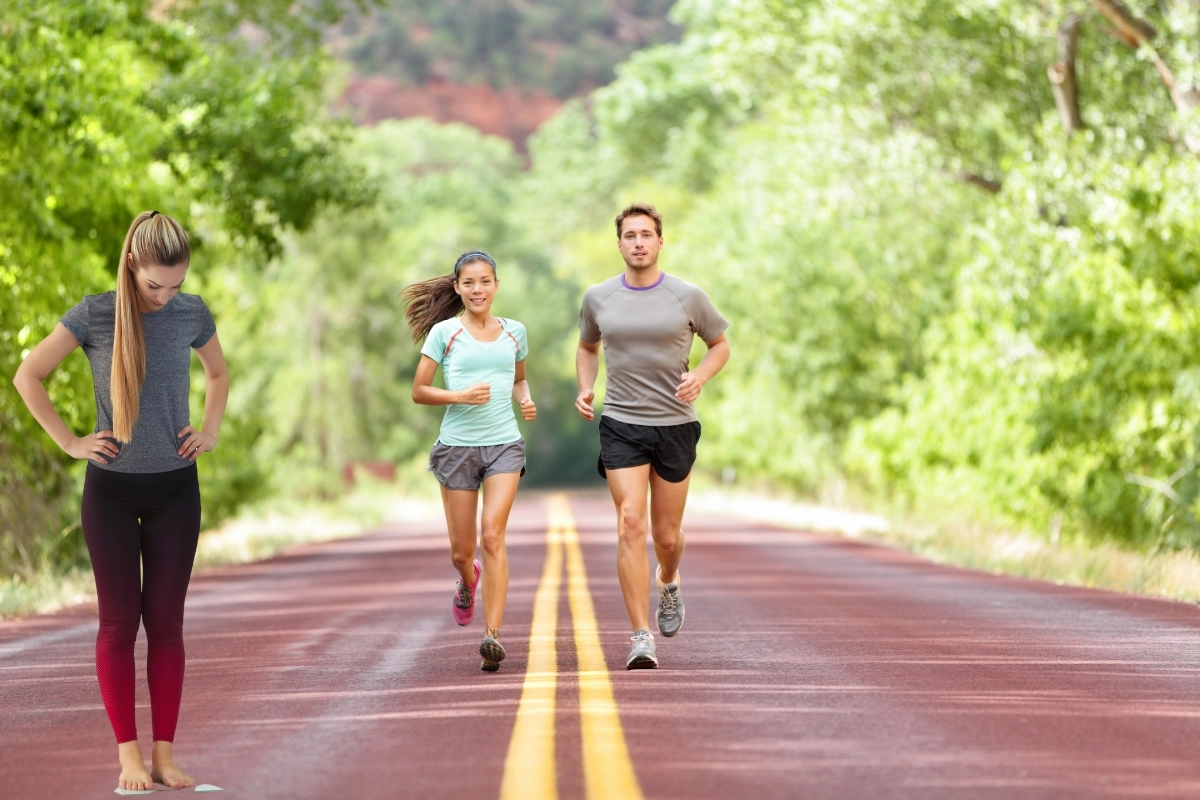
(628, 487)
(667, 501)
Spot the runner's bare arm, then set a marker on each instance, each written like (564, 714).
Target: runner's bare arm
(36, 367)
(712, 363)
(587, 367)
(426, 394)
(521, 394)
(216, 395)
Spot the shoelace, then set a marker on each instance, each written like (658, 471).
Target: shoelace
(669, 601)
(642, 636)
(464, 596)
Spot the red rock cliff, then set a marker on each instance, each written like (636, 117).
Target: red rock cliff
(510, 113)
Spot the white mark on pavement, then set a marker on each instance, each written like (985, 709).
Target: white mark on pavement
(19, 646)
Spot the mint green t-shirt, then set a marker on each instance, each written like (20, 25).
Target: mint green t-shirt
(466, 362)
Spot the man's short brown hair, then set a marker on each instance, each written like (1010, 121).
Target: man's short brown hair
(640, 210)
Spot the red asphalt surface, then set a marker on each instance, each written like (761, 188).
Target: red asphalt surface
(810, 666)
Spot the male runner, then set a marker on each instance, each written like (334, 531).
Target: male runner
(648, 431)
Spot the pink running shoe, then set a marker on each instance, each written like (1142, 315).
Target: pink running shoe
(463, 603)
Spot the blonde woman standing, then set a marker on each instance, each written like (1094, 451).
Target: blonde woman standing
(479, 446)
(141, 497)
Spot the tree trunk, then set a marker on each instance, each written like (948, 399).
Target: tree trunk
(1062, 76)
(1138, 33)
(987, 184)
(1130, 27)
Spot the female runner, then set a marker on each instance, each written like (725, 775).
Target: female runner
(141, 498)
(483, 364)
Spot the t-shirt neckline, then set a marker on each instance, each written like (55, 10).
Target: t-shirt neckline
(654, 285)
(503, 329)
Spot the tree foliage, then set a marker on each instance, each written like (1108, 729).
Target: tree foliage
(110, 108)
(956, 241)
(320, 338)
(941, 287)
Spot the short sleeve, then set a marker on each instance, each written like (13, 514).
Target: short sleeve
(435, 343)
(76, 321)
(589, 330)
(705, 320)
(522, 341)
(206, 324)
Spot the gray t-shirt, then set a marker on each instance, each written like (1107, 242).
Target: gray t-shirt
(647, 335)
(170, 334)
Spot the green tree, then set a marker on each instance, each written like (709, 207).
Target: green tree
(110, 108)
(954, 241)
(319, 337)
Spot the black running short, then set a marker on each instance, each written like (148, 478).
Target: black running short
(670, 449)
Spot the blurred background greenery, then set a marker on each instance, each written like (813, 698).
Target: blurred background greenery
(957, 241)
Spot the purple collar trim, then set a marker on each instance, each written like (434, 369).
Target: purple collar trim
(625, 283)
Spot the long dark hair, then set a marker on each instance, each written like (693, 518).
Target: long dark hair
(429, 302)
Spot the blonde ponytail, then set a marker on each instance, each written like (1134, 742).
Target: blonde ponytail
(152, 239)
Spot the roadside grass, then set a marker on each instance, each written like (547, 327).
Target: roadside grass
(46, 591)
(1170, 574)
(260, 531)
(267, 528)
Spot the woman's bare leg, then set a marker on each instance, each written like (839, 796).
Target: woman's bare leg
(133, 768)
(499, 491)
(164, 769)
(461, 507)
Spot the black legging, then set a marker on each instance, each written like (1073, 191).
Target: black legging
(141, 531)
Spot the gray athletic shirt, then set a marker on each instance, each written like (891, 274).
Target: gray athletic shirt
(170, 334)
(647, 335)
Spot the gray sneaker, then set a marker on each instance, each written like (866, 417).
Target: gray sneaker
(642, 655)
(670, 607)
(492, 652)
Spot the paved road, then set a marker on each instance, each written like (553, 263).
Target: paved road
(810, 666)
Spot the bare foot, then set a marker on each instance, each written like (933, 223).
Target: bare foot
(165, 770)
(133, 768)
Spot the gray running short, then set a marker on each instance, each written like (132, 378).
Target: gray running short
(465, 468)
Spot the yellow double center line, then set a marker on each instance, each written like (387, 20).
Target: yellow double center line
(530, 768)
